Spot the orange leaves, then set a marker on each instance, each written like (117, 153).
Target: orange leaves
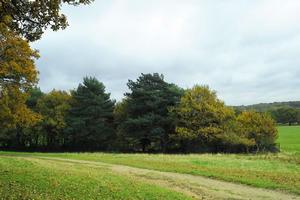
(16, 60)
(17, 75)
(13, 111)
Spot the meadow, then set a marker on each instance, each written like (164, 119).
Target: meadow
(33, 177)
(289, 138)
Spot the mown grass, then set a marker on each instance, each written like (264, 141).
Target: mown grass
(28, 178)
(289, 138)
(266, 170)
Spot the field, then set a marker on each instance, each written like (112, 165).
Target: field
(153, 176)
(289, 138)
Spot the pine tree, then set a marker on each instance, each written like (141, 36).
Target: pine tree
(90, 119)
(147, 104)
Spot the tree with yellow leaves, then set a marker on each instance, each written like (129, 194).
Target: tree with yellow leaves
(201, 115)
(53, 107)
(260, 128)
(17, 76)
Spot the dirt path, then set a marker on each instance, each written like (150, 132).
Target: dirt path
(196, 186)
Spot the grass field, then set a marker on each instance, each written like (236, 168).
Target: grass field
(43, 179)
(289, 138)
(277, 171)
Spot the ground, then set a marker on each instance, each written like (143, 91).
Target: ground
(154, 176)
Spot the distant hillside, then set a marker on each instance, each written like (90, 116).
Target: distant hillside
(261, 107)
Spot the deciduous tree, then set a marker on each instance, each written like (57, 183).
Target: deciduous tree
(53, 107)
(201, 114)
(31, 17)
(17, 76)
(259, 127)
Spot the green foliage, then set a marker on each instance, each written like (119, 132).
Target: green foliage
(147, 104)
(54, 108)
(285, 115)
(31, 18)
(32, 100)
(90, 120)
(263, 107)
(120, 114)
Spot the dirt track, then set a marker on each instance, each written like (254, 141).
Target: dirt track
(196, 186)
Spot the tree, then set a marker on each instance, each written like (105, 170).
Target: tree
(54, 108)
(90, 120)
(23, 18)
(31, 17)
(260, 128)
(17, 76)
(16, 61)
(32, 100)
(202, 116)
(122, 143)
(286, 115)
(298, 116)
(149, 123)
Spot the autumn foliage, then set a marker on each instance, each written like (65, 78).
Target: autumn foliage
(155, 116)
(204, 118)
(17, 76)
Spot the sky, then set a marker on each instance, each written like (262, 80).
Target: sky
(246, 50)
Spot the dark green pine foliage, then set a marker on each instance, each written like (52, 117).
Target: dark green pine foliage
(35, 95)
(148, 102)
(90, 120)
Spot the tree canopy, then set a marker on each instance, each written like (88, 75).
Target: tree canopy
(17, 76)
(285, 115)
(31, 17)
(201, 115)
(147, 104)
(154, 116)
(258, 127)
(90, 119)
(54, 108)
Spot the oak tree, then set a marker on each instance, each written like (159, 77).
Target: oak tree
(53, 107)
(31, 17)
(260, 128)
(17, 76)
(202, 116)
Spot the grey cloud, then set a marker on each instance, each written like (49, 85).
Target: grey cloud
(246, 50)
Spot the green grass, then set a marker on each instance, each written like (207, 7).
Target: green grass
(27, 178)
(277, 171)
(289, 138)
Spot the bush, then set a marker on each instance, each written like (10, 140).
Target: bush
(260, 128)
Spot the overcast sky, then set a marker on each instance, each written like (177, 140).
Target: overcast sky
(246, 50)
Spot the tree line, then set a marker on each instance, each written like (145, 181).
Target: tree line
(265, 107)
(282, 115)
(286, 115)
(154, 116)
